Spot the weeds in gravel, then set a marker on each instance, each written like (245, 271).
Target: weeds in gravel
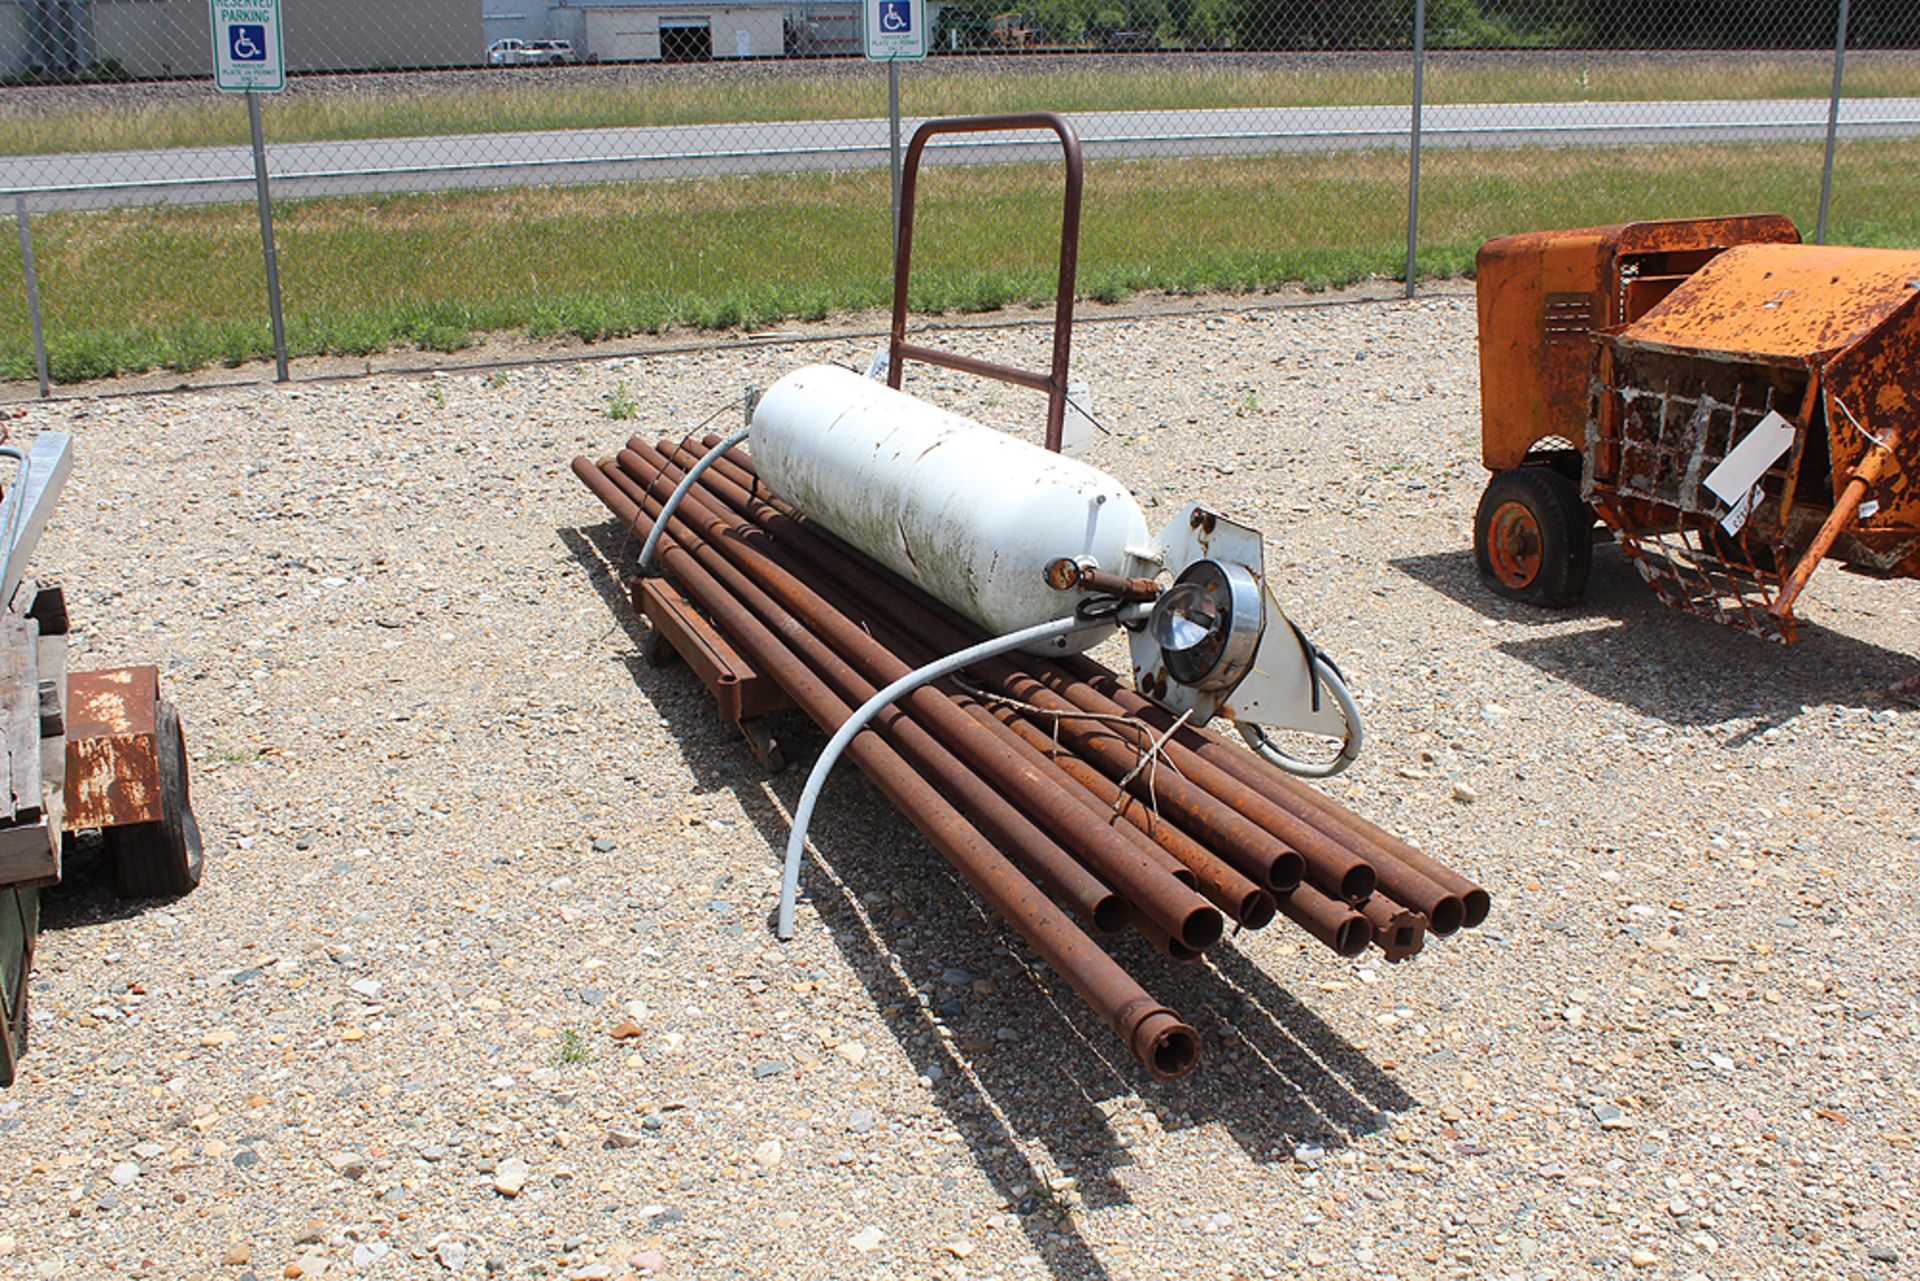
(498, 379)
(620, 403)
(139, 289)
(572, 1049)
(437, 394)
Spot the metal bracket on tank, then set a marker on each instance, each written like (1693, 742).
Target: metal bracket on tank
(1278, 690)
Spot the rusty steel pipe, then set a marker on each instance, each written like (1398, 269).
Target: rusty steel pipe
(1177, 908)
(1247, 903)
(1156, 1037)
(1410, 872)
(1054, 381)
(1061, 779)
(1167, 945)
(1331, 866)
(1398, 931)
(1250, 905)
(1249, 846)
(1053, 866)
(1449, 900)
(1332, 922)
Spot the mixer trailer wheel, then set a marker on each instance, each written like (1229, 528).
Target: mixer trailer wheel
(161, 859)
(1531, 537)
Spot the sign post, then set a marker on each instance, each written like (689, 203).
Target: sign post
(895, 31)
(249, 58)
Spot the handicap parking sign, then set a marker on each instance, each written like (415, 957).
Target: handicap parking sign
(248, 53)
(248, 41)
(895, 29)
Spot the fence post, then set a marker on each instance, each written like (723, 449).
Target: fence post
(1833, 121)
(266, 239)
(33, 296)
(1413, 148)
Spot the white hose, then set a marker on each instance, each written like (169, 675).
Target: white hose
(687, 482)
(810, 794)
(1349, 750)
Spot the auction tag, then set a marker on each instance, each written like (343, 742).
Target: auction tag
(1747, 461)
(1077, 428)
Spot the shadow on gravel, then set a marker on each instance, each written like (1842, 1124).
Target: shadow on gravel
(1036, 1085)
(84, 897)
(1667, 665)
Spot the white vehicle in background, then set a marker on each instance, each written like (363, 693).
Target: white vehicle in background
(530, 53)
(548, 53)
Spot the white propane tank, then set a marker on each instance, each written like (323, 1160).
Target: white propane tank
(971, 515)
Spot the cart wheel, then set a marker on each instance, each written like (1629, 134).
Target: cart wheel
(1532, 537)
(160, 860)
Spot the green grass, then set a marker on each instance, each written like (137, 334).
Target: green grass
(517, 102)
(572, 1049)
(180, 288)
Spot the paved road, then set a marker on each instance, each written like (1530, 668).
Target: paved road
(200, 175)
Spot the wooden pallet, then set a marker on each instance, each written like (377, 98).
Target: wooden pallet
(743, 694)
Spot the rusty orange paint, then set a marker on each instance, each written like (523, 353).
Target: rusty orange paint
(1652, 348)
(1781, 304)
(113, 757)
(1542, 294)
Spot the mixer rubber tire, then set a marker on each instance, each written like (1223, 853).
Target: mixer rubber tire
(161, 859)
(1532, 537)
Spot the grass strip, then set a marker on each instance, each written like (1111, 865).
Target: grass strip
(518, 100)
(132, 290)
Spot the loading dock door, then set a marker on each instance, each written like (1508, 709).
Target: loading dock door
(686, 40)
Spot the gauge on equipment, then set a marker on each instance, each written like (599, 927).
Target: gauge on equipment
(1208, 624)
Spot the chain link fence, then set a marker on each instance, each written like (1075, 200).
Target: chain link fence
(440, 169)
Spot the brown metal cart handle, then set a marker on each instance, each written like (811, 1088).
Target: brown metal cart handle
(899, 350)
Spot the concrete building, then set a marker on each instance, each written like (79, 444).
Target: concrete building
(150, 38)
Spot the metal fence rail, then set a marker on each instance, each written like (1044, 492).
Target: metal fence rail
(111, 112)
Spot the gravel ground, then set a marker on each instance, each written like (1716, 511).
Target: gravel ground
(481, 979)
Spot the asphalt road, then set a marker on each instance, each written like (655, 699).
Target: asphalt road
(202, 175)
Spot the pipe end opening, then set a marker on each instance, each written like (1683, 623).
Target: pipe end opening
(1170, 1049)
(1353, 936)
(1112, 914)
(1358, 884)
(1256, 910)
(1286, 873)
(1477, 903)
(1447, 915)
(1202, 928)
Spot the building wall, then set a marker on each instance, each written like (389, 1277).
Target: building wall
(174, 37)
(633, 34)
(13, 38)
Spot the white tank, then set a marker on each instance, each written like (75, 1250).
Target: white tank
(971, 515)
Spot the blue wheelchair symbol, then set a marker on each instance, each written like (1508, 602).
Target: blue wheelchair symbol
(896, 16)
(247, 42)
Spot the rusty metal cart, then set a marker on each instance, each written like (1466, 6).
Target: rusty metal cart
(95, 750)
(1732, 405)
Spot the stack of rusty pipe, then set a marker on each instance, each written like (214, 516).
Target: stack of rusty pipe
(1036, 778)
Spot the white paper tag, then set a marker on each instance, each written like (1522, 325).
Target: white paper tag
(1077, 430)
(1747, 461)
(1869, 509)
(877, 367)
(1734, 521)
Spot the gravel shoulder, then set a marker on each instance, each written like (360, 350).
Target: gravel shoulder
(481, 979)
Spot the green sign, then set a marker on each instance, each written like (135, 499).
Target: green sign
(247, 53)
